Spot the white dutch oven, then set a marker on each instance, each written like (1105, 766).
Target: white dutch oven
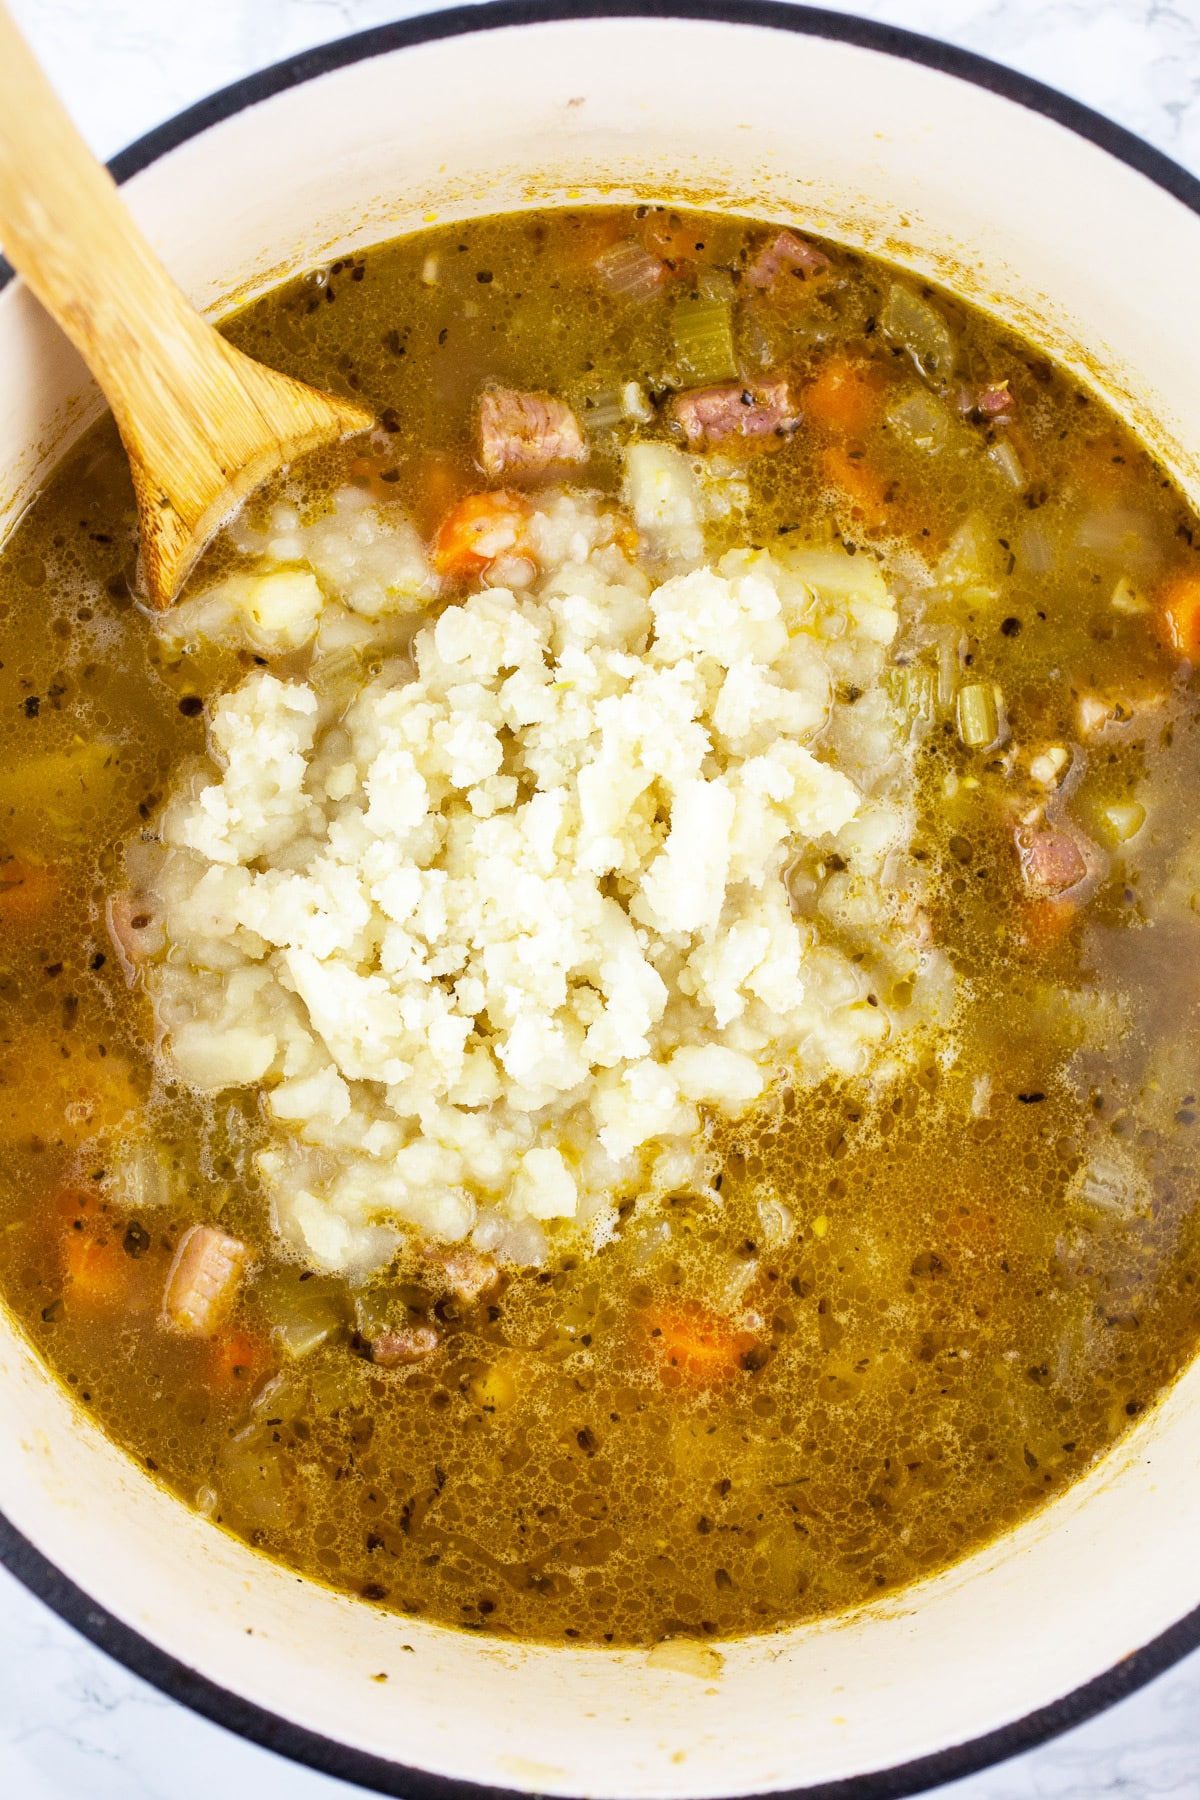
(1055, 221)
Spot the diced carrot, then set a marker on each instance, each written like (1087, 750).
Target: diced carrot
(437, 486)
(844, 397)
(27, 890)
(98, 1270)
(693, 1348)
(680, 245)
(1179, 612)
(478, 530)
(862, 485)
(1044, 923)
(237, 1361)
(1101, 468)
(58, 1094)
(593, 236)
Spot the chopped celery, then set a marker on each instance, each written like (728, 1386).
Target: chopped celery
(703, 328)
(912, 323)
(914, 690)
(978, 715)
(143, 1178)
(250, 1480)
(340, 668)
(304, 1313)
(334, 1384)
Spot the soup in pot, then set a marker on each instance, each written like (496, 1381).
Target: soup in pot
(597, 1028)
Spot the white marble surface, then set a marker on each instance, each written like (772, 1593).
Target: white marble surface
(72, 1723)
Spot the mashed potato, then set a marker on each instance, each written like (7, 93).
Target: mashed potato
(497, 907)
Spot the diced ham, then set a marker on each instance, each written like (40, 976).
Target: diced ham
(994, 399)
(785, 251)
(137, 935)
(991, 401)
(203, 1279)
(393, 1349)
(523, 435)
(468, 1274)
(1057, 860)
(763, 414)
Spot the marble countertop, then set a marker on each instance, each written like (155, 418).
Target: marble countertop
(72, 1723)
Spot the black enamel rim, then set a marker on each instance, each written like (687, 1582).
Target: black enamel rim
(173, 1677)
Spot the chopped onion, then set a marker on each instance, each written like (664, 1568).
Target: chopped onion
(1034, 549)
(967, 564)
(603, 411)
(1004, 458)
(1126, 599)
(1124, 819)
(1122, 535)
(630, 270)
(913, 324)
(1110, 1186)
(920, 419)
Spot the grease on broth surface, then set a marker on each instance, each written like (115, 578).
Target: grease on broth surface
(902, 1316)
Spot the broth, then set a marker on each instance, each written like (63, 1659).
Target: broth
(900, 1310)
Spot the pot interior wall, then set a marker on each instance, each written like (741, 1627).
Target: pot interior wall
(952, 181)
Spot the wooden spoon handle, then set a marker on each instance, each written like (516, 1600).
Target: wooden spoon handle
(202, 424)
(69, 234)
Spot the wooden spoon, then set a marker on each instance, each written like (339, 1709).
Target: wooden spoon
(202, 424)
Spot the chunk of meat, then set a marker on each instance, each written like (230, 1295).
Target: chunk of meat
(393, 1349)
(524, 435)
(479, 530)
(994, 399)
(1056, 860)
(203, 1280)
(763, 414)
(785, 251)
(989, 401)
(468, 1274)
(137, 935)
